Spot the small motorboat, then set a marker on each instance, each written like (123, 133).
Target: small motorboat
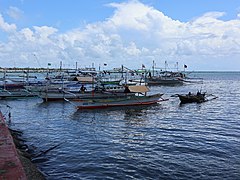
(190, 97)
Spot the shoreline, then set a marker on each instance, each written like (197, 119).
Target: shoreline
(31, 170)
(15, 161)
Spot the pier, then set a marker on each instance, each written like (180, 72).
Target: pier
(10, 164)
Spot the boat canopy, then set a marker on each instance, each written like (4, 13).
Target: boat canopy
(85, 79)
(138, 89)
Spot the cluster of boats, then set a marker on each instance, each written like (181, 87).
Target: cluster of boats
(88, 89)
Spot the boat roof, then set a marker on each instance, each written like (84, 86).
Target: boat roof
(139, 89)
(85, 79)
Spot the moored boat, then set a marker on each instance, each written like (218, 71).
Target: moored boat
(118, 102)
(165, 81)
(140, 98)
(62, 94)
(190, 97)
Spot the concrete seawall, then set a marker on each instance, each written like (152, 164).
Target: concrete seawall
(10, 164)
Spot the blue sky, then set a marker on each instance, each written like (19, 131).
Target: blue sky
(67, 14)
(203, 34)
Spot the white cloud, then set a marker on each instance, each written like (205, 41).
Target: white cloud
(15, 13)
(125, 17)
(135, 34)
(44, 34)
(5, 26)
(27, 34)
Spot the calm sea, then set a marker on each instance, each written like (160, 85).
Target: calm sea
(164, 141)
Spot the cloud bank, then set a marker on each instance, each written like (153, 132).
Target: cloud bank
(135, 34)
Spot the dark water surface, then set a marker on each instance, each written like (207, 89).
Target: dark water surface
(165, 141)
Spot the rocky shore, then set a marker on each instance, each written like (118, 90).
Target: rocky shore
(31, 171)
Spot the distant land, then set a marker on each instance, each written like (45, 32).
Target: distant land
(34, 70)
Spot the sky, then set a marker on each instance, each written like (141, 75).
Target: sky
(203, 34)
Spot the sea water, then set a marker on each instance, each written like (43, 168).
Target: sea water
(163, 141)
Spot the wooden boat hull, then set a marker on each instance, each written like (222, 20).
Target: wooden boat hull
(119, 102)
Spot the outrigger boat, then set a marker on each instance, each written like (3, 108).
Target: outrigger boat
(189, 98)
(63, 94)
(171, 81)
(197, 98)
(135, 100)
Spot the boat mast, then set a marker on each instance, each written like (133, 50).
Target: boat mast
(76, 66)
(153, 68)
(165, 66)
(27, 76)
(60, 66)
(4, 78)
(122, 71)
